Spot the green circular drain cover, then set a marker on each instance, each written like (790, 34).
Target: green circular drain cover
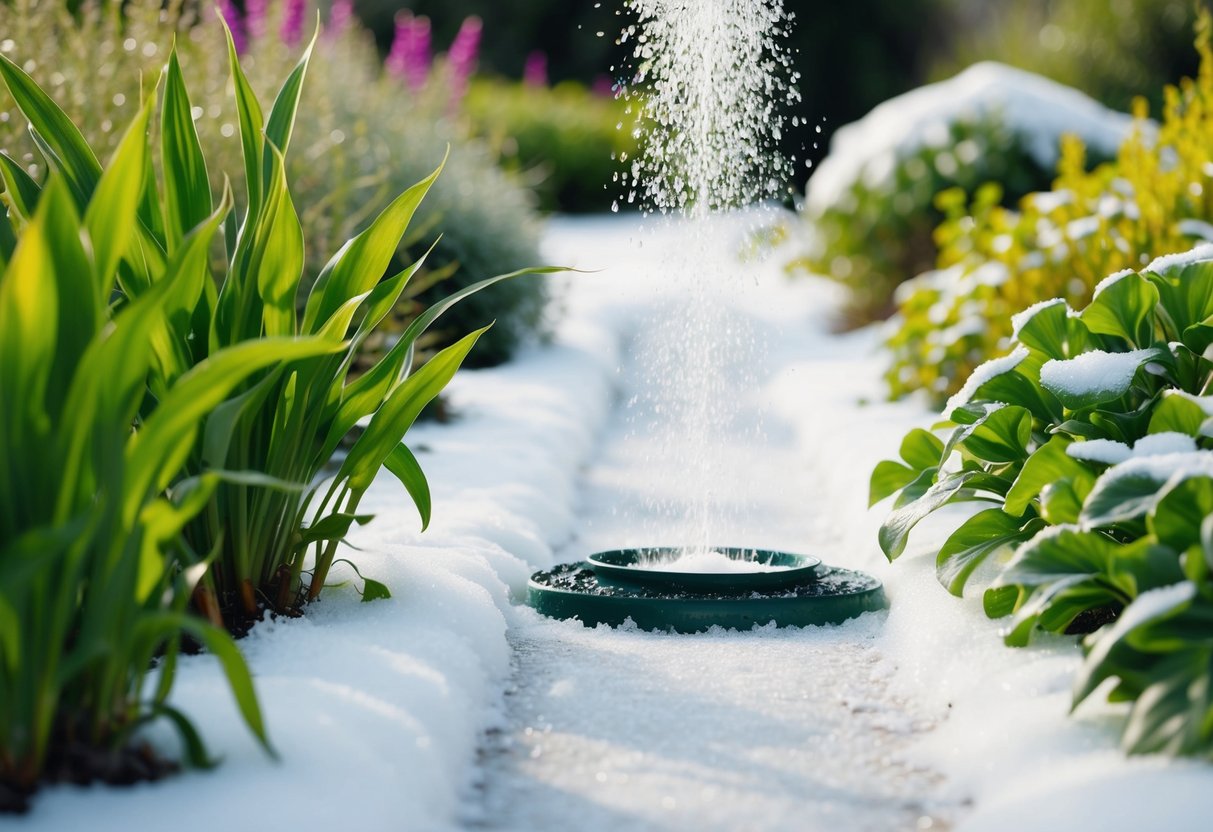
(830, 596)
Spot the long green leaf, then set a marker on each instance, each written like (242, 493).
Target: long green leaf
(187, 190)
(251, 125)
(396, 416)
(362, 261)
(79, 163)
(407, 469)
(22, 190)
(112, 214)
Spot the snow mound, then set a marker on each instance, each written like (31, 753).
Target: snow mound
(1037, 110)
(1167, 442)
(1093, 373)
(1102, 451)
(1111, 452)
(709, 562)
(1163, 467)
(1164, 264)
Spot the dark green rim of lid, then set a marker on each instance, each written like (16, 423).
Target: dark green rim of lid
(623, 566)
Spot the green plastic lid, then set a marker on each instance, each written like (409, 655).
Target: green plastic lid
(574, 590)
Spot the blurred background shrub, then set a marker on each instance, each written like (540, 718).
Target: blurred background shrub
(372, 131)
(568, 140)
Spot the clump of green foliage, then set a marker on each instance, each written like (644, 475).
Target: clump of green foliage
(367, 138)
(1091, 443)
(1153, 199)
(94, 579)
(280, 427)
(879, 234)
(568, 140)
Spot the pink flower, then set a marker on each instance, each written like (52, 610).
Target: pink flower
(292, 22)
(235, 22)
(535, 71)
(461, 57)
(254, 17)
(409, 57)
(340, 15)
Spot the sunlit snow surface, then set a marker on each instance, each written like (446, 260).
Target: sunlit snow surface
(707, 562)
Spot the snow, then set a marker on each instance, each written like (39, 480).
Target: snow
(1162, 467)
(1111, 280)
(1111, 452)
(1169, 262)
(1165, 442)
(1102, 451)
(709, 562)
(1037, 110)
(1020, 319)
(1195, 228)
(436, 709)
(1093, 373)
(1205, 403)
(983, 373)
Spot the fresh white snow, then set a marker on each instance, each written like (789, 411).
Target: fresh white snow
(1111, 452)
(1169, 262)
(1110, 281)
(983, 373)
(1037, 110)
(1093, 373)
(412, 713)
(1103, 451)
(706, 562)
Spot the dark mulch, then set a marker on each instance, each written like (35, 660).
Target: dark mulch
(81, 764)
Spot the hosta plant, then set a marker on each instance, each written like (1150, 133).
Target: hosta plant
(1091, 443)
(1155, 198)
(282, 425)
(93, 580)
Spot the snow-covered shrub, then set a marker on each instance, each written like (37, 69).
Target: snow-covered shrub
(1092, 444)
(369, 134)
(870, 207)
(1155, 198)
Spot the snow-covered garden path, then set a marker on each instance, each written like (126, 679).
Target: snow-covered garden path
(773, 729)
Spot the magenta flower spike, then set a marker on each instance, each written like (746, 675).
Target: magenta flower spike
(461, 57)
(402, 35)
(340, 15)
(535, 71)
(235, 22)
(292, 22)
(418, 56)
(255, 12)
